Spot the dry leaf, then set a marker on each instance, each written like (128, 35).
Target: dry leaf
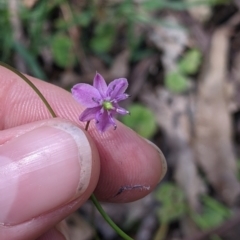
(120, 67)
(213, 126)
(29, 3)
(201, 12)
(173, 114)
(171, 38)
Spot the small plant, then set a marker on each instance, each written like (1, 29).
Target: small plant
(178, 80)
(140, 118)
(173, 203)
(213, 213)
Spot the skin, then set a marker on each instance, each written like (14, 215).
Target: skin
(58, 161)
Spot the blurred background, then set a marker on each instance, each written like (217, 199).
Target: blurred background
(182, 60)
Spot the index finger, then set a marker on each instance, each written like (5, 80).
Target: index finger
(130, 166)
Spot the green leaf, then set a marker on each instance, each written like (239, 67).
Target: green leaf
(214, 213)
(215, 237)
(30, 60)
(83, 19)
(190, 62)
(62, 50)
(34, 20)
(6, 38)
(180, 5)
(173, 204)
(104, 38)
(176, 82)
(142, 120)
(153, 5)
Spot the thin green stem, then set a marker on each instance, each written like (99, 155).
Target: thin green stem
(32, 86)
(108, 219)
(104, 214)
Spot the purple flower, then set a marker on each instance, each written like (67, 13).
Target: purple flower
(101, 100)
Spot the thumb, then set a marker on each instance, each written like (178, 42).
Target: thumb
(42, 171)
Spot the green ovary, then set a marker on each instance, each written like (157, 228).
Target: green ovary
(107, 105)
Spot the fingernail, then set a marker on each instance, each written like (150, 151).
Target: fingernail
(42, 170)
(162, 159)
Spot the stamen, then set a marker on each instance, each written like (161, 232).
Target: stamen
(122, 111)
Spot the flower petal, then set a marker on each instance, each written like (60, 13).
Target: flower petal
(112, 120)
(121, 97)
(121, 111)
(104, 121)
(86, 95)
(100, 84)
(117, 87)
(89, 114)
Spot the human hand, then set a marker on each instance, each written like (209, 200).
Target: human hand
(50, 167)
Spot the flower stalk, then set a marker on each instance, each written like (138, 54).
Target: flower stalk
(118, 230)
(108, 219)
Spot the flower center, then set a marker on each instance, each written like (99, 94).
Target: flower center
(107, 105)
